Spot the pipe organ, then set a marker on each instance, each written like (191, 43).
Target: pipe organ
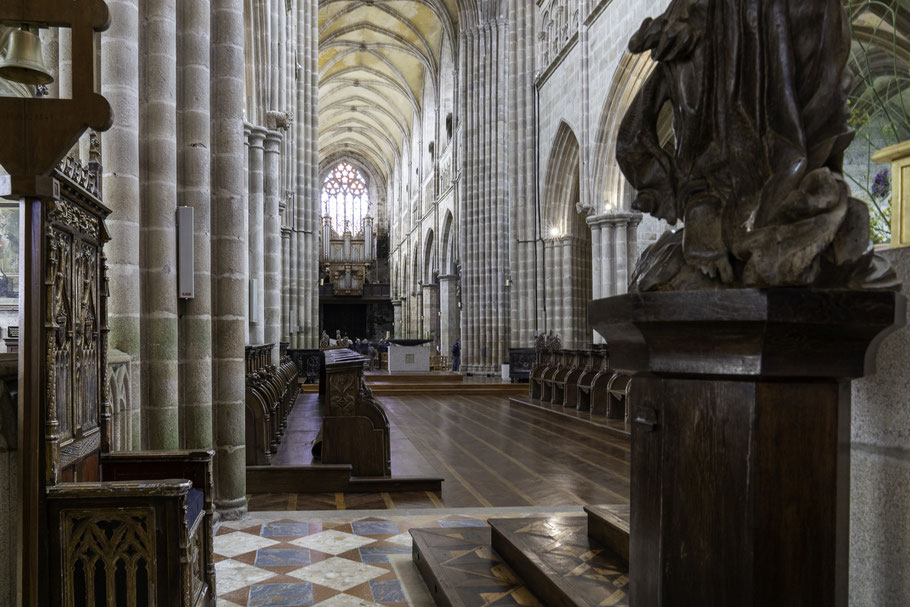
(346, 258)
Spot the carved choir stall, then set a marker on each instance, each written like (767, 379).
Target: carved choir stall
(129, 528)
(579, 379)
(271, 392)
(355, 426)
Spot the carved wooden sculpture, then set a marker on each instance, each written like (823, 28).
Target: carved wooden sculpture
(740, 394)
(758, 90)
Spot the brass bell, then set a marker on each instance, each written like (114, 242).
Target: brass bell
(24, 62)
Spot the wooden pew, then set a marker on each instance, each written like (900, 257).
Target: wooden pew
(271, 392)
(598, 361)
(568, 360)
(557, 366)
(570, 383)
(355, 426)
(544, 358)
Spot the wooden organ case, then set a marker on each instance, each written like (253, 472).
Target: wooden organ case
(129, 528)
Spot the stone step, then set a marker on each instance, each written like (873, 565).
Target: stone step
(561, 564)
(460, 569)
(371, 377)
(609, 525)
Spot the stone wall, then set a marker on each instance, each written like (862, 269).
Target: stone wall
(880, 471)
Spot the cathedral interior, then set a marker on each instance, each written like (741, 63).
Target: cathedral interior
(373, 302)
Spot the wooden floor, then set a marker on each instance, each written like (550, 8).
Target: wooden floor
(492, 453)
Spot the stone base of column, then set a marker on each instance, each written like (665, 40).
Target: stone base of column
(740, 488)
(230, 510)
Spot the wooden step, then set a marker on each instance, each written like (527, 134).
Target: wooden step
(331, 478)
(616, 427)
(504, 390)
(561, 565)
(460, 569)
(609, 525)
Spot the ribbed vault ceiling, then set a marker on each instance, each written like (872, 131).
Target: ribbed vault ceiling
(374, 57)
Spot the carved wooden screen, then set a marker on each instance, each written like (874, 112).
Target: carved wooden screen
(76, 330)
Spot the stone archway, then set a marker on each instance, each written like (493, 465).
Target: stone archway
(568, 254)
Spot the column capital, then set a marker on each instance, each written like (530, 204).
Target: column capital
(255, 134)
(631, 218)
(448, 277)
(273, 141)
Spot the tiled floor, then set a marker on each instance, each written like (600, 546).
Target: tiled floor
(332, 559)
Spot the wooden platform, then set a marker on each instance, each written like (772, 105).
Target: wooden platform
(528, 561)
(617, 427)
(491, 453)
(383, 383)
(294, 470)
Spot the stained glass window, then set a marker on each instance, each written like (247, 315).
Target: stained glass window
(345, 199)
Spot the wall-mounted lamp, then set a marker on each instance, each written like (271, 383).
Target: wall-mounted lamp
(555, 232)
(508, 282)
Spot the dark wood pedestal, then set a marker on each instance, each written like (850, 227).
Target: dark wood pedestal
(741, 439)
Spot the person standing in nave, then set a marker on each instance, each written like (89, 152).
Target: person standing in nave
(456, 355)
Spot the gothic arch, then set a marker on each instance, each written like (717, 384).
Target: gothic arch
(429, 261)
(568, 244)
(609, 182)
(447, 264)
(561, 185)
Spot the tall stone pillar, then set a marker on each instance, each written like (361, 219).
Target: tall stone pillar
(522, 141)
(285, 285)
(483, 207)
(229, 252)
(158, 164)
(272, 228)
(621, 255)
(397, 315)
(448, 309)
(194, 143)
(120, 150)
(256, 242)
(430, 312)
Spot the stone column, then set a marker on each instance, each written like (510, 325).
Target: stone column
(396, 313)
(596, 264)
(621, 256)
(229, 253)
(285, 284)
(570, 319)
(430, 311)
(120, 151)
(194, 190)
(272, 228)
(448, 308)
(158, 163)
(256, 243)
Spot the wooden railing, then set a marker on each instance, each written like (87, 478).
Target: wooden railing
(582, 380)
(271, 392)
(355, 427)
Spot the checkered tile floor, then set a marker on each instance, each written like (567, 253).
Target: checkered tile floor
(308, 559)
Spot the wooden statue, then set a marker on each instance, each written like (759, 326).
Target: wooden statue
(758, 90)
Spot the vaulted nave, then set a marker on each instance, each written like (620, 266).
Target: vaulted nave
(454, 302)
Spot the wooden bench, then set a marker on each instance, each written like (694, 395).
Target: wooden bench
(569, 387)
(271, 392)
(355, 427)
(594, 363)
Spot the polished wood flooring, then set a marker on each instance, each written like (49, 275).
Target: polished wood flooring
(491, 453)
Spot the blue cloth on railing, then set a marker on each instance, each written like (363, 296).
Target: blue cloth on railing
(195, 504)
